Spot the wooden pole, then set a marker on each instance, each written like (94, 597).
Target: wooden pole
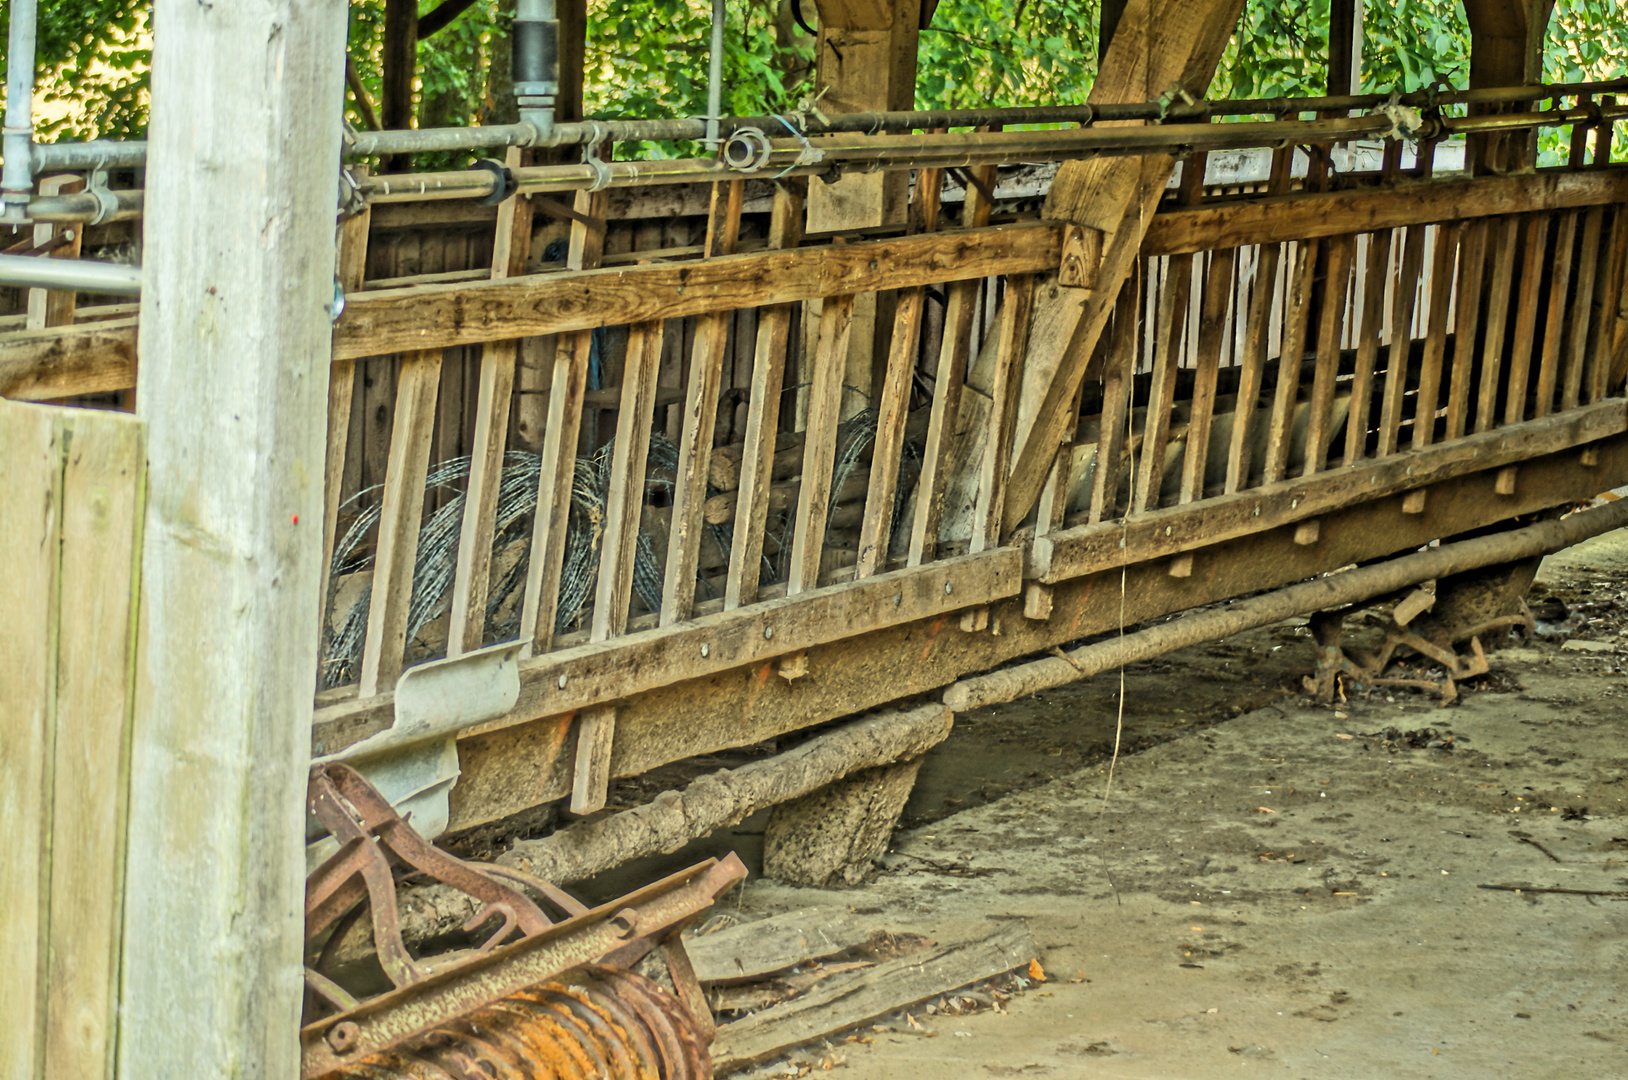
(235, 346)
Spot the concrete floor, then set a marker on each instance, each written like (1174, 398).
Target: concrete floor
(1289, 893)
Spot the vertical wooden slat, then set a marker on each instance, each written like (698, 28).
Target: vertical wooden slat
(557, 469)
(1368, 336)
(30, 534)
(1535, 239)
(625, 498)
(466, 626)
(820, 443)
(1554, 329)
(763, 413)
(1331, 317)
(1168, 330)
(1471, 266)
(700, 418)
(101, 550)
(1603, 317)
(876, 529)
(1492, 353)
(1211, 334)
(1116, 395)
(399, 520)
(351, 272)
(1297, 313)
(1435, 349)
(948, 382)
(1010, 348)
(1582, 307)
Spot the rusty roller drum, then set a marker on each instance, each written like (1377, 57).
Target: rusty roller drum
(592, 1023)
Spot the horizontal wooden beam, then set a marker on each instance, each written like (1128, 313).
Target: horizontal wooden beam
(509, 770)
(1088, 549)
(618, 668)
(1281, 218)
(436, 316)
(87, 358)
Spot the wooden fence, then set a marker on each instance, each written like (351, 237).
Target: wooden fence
(70, 524)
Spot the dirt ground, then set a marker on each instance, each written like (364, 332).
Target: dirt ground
(1277, 887)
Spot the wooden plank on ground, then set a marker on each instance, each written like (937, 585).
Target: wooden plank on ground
(844, 1001)
(468, 314)
(31, 445)
(754, 949)
(102, 496)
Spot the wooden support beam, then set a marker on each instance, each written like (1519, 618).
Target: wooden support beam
(235, 328)
(1157, 44)
(1506, 49)
(350, 270)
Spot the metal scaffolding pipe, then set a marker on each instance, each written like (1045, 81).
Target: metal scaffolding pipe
(17, 177)
(69, 275)
(715, 78)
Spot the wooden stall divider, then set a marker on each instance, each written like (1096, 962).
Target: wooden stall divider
(948, 381)
(876, 530)
(1370, 332)
(763, 412)
(1472, 261)
(1296, 317)
(1535, 239)
(1582, 307)
(557, 471)
(1010, 348)
(1118, 371)
(1442, 284)
(1554, 328)
(1331, 317)
(700, 418)
(1506, 238)
(1211, 334)
(471, 584)
(399, 521)
(820, 443)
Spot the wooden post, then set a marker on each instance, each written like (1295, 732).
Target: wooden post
(1506, 49)
(866, 60)
(234, 339)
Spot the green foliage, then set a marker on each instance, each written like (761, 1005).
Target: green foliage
(982, 53)
(93, 57)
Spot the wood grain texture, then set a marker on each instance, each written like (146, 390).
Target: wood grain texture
(1012, 344)
(1370, 333)
(389, 320)
(1218, 290)
(820, 446)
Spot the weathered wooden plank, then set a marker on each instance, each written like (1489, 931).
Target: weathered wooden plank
(1116, 396)
(55, 307)
(625, 498)
(820, 446)
(763, 413)
(1369, 335)
(1257, 335)
(86, 358)
(1603, 318)
(471, 582)
(1492, 352)
(351, 268)
(557, 470)
(1323, 214)
(1554, 329)
(399, 521)
(1088, 548)
(102, 497)
(843, 1001)
(1535, 239)
(1296, 317)
(1582, 307)
(31, 445)
(1398, 357)
(1211, 332)
(1442, 275)
(1331, 318)
(1472, 261)
(613, 670)
(1171, 329)
(398, 319)
(1010, 348)
(759, 948)
(700, 418)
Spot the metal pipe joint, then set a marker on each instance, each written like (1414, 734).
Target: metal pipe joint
(536, 45)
